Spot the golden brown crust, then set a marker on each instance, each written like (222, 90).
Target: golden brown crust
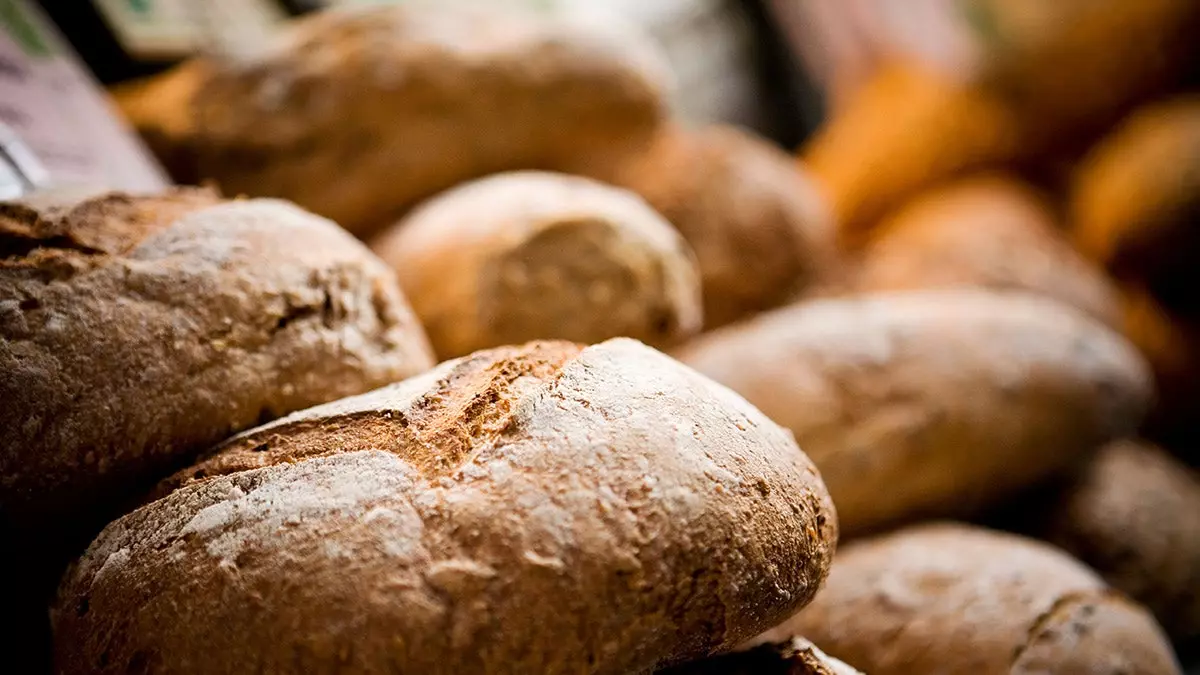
(760, 231)
(926, 403)
(796, 656)
(961, 600)
(908, 127)
(1136, 203)
(604, 510)
(136, 331)
(531, 255)
(990, 231)
(359, 114)
(1131, 514)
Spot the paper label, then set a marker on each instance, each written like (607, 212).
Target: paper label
(51, 102)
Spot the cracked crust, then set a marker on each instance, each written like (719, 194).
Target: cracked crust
(358, 114)
(545, 508)
(760, 231)
(795, 656)
(535, 255)
(931, 403)
(137, 330)
(1131, 515)
(990, 231)
(956, 599)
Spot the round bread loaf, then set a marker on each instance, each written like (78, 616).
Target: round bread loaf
(1136, 203)
(546, 508)
(136, 331)
(990, 231)
(530, 255)
(961, 600)
(930, 403)
(358, 114)
(795, 656)
(1133, 515)
(760, 231)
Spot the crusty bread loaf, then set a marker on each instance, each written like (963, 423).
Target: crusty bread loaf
(1133, 515)
(960, 600)
(987, 230)
(761, 232)
(358, 114)
(546, 508)
(531, 255)
(1136, 203)
(926, 403)
(795, 656)
(137, 331)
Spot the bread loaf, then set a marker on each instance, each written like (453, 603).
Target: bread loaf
(990, 231)
(1131, 514)
(961, 600)
(546, 508)
(931, 403)
(358, 114)
(136, 331)
(761, 232)
(529, 255)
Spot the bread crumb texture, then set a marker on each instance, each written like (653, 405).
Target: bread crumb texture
(136, 331)
(544, 508)
(957, 599)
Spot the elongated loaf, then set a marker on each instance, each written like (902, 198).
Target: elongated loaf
(928, 403)
(136, 331)
(358, 114)
(545, 508)
(990, 231)
(961, 600)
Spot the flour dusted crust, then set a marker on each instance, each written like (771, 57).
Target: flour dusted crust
(794, 656)
(990, 231)
(1131, 514)
(926, 403)
(761, 232)
(531, 255)
(137, 330)
(545, 508)
(962, 600)
(358, 114)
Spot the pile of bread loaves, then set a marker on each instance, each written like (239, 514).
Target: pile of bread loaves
(239, 404)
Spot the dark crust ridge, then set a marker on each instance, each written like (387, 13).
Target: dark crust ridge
(470, 406)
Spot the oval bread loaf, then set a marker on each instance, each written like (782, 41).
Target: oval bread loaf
(990, 231)
(760, 231)
(1133, 515)
(961, 600)
(545, 508)
(1136, 203)
(358, 114)
(927, 403)
(530, 255)
(136, 331)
